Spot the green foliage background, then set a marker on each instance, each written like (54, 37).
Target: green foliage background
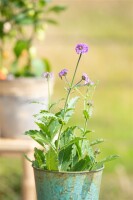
(106, 27)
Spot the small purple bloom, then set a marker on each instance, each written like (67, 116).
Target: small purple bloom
(85, 78)
(81, 48)
(47, 75)
(63, 73)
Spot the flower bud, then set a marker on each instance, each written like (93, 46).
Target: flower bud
(63, 73)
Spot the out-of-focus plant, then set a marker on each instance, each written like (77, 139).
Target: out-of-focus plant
(20, 23)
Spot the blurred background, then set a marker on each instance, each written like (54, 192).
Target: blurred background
(107, 27)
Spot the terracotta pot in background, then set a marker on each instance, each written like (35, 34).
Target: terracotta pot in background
(16, 109)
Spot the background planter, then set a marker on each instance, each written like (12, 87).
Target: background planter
(67, 185)
(16, 109)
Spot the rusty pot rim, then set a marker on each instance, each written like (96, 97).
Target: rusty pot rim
(70, 172)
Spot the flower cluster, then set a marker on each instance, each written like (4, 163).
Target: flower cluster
(65, 147)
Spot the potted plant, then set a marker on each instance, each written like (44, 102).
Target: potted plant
(67, 166)
(20, 67)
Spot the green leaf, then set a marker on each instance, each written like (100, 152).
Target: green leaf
(47, 65)
(37, 66)
(2, 34)
(109, 158)
(87, 131)
(96, 142)
(39, 137)
(52, 160)
(23, 18)
(84, 149)
(28, 158)
(66, 136)
(51, 21)
(40, 158)
(57, 9)
(73, 141)
(20, 46)
(60, 116)
(69, 110)
(44, 128)
(83, 164)
(72, 102)
(44, 116)
(86, 114)
(53, 127)
(65, 158)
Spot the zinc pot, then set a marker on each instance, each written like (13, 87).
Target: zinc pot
(16, 109)
(52, 185)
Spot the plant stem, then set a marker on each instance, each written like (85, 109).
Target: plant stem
(71, 84)
(49, 100)
(67, 98)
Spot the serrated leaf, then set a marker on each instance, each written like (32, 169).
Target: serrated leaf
(51, 160)
(71, 142)
(40, 158)
(67, 113)
(85, 149)
(72, 102)
(66, 136)
(53, 127)
(65, 158)
(96, 142)
(109, 158)
(39, 137)
(44, 128)
(44, 116)
(83, 164)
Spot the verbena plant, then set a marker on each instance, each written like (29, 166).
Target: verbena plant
(64, 147)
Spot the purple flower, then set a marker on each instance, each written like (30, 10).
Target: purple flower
(63, 73)
(86, 79)
(81, 48)
(47, 75)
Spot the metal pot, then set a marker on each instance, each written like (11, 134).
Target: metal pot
(16, 109)
(53, 185)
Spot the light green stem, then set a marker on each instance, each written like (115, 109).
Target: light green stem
(67, 98)
(49, 99)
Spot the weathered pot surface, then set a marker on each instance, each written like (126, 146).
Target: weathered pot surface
(52, 185)
(16, 109)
